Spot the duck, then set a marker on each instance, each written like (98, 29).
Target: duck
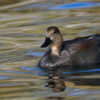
(75, 52)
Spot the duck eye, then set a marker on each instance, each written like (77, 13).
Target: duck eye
(55, 31)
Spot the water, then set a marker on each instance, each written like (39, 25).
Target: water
(22, 28)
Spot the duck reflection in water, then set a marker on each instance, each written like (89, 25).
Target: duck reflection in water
(56, 85)
(79, 51)
(58, 79)
(54, 82)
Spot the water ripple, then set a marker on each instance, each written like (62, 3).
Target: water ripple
(84, 71)
(10, 84)
(30, 69)
(28, 7)
(75, 5)
(78, 93)
(4, 77)
(35, 54)
(19, 72)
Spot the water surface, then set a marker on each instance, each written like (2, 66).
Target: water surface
(22, 28)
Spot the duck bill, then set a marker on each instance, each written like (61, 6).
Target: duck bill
(46, 43)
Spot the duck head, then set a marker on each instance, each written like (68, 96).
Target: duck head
(53, 39)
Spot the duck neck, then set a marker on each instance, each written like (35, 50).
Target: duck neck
(56, 47)
(55, 50)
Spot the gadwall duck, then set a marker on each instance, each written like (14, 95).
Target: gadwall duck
(78, 51)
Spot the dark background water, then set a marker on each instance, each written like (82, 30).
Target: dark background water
(22, 30)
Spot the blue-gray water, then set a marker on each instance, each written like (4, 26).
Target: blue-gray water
(22, 31)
